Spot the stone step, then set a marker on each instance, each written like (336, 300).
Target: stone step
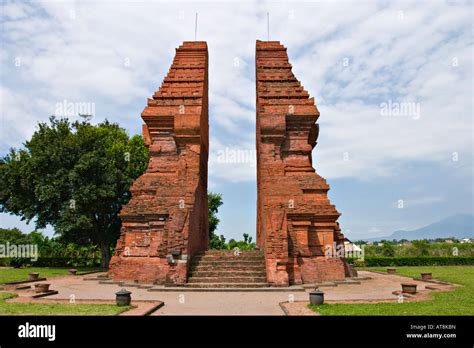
(226, 268)
(194, 279)
(242, 263)
(226, 285)
(232, 288)
(220, 274)
(228, 258)
(231, 252)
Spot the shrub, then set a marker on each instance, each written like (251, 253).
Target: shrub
(421, 248)
(375, 261)
(53, 252)
(17, 262)
(388, 249)
(359, 263)
(66, 262)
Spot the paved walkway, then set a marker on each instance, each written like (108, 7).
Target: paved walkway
(182, 303)
(378, 288)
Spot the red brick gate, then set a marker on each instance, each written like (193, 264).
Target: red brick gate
(296, 224)
(166, 221)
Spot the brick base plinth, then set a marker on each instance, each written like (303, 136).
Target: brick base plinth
(319, 269)
(155, 270)
(277, 274)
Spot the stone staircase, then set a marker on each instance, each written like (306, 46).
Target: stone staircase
(228, 269)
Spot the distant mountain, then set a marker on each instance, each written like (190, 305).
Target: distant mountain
(458, 226)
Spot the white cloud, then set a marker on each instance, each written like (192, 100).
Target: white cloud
(232, 162)
(16, 117)
(425, 200)
(72, 50)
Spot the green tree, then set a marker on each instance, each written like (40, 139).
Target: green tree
(217, 242)
(388, 249)
(422, 246)
(247, 238)
(214, 201)
(245, 244)
(76, 177)
(13, 236)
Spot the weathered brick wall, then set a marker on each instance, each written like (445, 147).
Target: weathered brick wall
(165, 222)
(296, 224)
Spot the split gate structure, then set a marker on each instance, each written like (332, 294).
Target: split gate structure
(165, 223)
(296, 224)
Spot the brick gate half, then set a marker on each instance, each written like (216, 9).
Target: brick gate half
(296, 224)
(166, 221)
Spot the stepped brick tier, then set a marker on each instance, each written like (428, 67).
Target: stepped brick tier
(166, 220)
(228, 269)
(296, 225)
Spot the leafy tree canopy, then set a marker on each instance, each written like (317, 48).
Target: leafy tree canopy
(214, 201)
(74, 176)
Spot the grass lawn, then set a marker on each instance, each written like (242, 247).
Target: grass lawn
(457, 302)
(9, 308)
(10, 274)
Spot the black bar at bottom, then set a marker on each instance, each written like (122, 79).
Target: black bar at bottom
(215, 330)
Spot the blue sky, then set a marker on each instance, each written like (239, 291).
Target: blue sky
(400, 169)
